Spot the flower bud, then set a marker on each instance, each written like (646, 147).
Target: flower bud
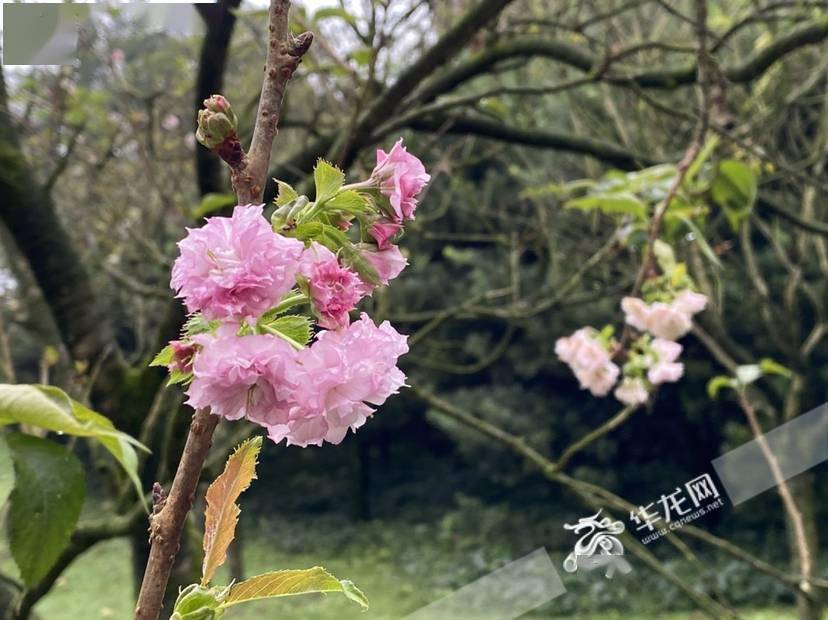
(216, 122)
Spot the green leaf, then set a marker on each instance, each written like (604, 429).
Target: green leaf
(349, 201)
(328, 179)
(290, 583)
(164, 357)
(620, 203)
(308, 231)
(734, 190)
(665, 256)
(363, 56)
(212, 203)
(699, 238)
(178, 377)
(117, 446)
(6, 471)
(197, 324)
(45, 504)
(286, 193)
(197, 602)
(328, 12)
(717, 383)
(50, 408)
(704, 154)
(772, 367)
(295, 329)
(222, 513)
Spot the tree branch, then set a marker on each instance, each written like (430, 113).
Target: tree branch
(283, 56)
(539, 138)
(167, 524)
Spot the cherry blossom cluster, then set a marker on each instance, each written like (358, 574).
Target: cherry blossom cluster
(665, 315)
(257, 291)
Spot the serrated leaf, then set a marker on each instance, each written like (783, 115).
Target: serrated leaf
(611, 204)
(222, 513)
(50, 408)
(295, 329)
(349, 201)
(290, 583)
(197, 324)
(164, 357)
(328, 179)
(45, 504)
(6, 471)
(213, 202)
(178, 377)
(286, 193)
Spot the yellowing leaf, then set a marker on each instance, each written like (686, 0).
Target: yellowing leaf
(290, 583)
(222, 512)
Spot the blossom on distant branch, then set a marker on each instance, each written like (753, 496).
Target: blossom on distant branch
(669, 321)
(589, 359)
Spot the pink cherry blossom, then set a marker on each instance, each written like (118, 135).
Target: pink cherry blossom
(636, 312)
(668, 372)
(340, 376)
(689, 302)
(632, 392)
(664, 321)
(589, 360)
(243, 376)
(401, 177)
(387, 263)
(382, 231)
(666, 350)
(235, 267)
(669, 321)
(334, 289)
(665, 369)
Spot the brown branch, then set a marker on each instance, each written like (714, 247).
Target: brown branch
(614, 422)
(549, 470)
(800, 538)
(283, 57)
(547, 467)
(248, 176)
(705, 105)
(167, 524)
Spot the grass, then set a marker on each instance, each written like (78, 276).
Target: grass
(99, 585)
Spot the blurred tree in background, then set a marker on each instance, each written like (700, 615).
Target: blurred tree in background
(506, 103)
